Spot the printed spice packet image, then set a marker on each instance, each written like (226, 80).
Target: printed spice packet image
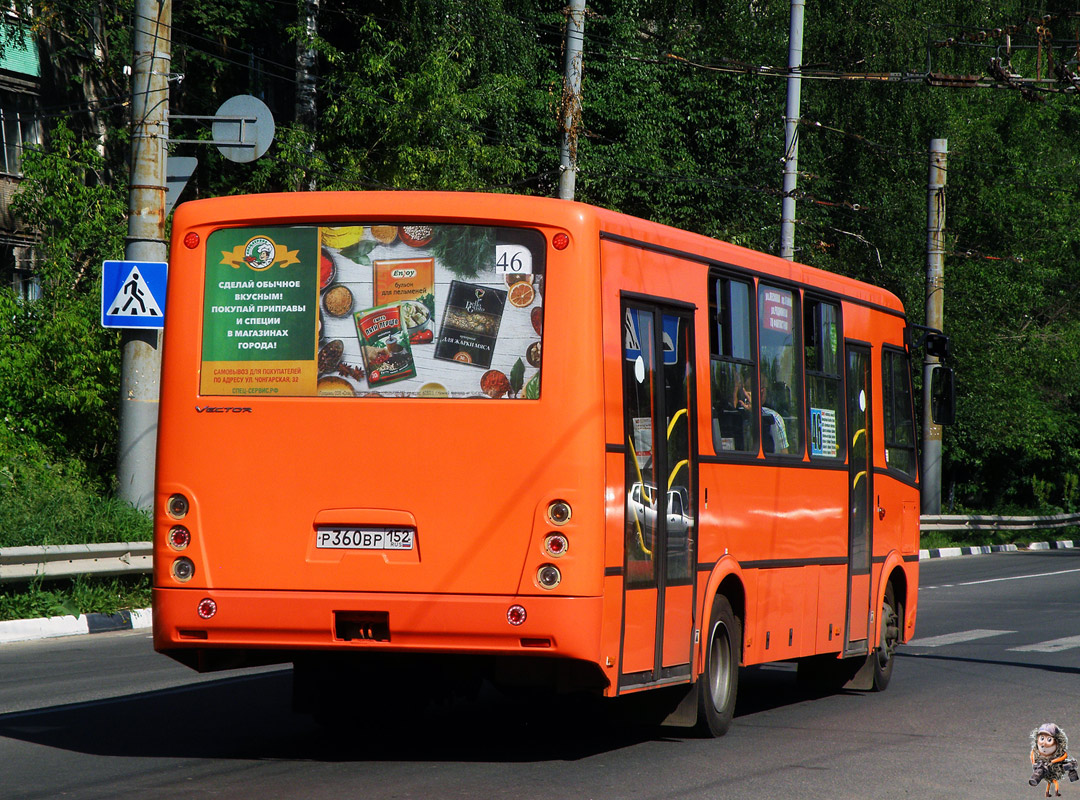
(470, 324)
(384, 342)
(411, 282)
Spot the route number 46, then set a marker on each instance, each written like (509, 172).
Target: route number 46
(513, 259)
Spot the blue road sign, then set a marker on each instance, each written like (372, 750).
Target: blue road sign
(133, 294)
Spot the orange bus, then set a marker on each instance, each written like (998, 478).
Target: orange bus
(408, 440)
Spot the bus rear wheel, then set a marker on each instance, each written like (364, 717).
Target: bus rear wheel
(888, 641)
(719, 682)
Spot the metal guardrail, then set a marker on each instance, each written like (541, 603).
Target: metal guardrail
(990, 522)
(69, 560)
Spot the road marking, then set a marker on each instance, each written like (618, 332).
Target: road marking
(1052, 646)
(998, 580)
(956, 638)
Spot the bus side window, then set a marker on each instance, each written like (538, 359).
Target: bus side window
(825, 409)
(781, 370)
(899, 417)
(732, 367)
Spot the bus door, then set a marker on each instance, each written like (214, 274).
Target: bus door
(860, 492)
(661, 484)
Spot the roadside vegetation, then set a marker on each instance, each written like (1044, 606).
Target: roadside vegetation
(681, 122)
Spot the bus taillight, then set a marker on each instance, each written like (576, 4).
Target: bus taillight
(559, 512)
(191, 241)
(179, 537)
(560, 241)
(515, 615)
(206, 608)
(548, 576)
(555, 544)
(178, 506)
(183, 569)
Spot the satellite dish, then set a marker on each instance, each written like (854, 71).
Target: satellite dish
(249, 123)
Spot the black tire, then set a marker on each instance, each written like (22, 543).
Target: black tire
(719, 682)
(884, 656)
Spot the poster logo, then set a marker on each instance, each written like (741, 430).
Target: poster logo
(260, 253)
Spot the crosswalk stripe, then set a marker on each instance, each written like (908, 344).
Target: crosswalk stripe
(1052, 646)
(956, 638)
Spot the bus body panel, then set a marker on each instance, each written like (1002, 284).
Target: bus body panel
(474, 478)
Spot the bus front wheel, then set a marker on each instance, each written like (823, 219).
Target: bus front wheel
(719, 681)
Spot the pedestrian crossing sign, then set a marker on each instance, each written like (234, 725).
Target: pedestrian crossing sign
(133, 294)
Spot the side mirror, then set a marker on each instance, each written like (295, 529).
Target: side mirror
(937, 345)
(942, 396)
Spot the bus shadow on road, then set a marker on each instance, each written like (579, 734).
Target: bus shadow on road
(250, 717)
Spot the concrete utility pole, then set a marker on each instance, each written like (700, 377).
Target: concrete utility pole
(305, 81)
(935, 301)
(791, 131)
(575, 36)
(141, 353)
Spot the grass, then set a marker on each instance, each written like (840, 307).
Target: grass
(81, 595)
(45, 499)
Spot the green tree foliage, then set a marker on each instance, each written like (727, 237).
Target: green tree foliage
(682, 123)
(58, 366)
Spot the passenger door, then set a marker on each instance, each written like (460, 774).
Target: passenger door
(860, 494)
(660, 488)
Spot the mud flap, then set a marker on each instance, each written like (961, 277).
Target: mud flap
(863, 680)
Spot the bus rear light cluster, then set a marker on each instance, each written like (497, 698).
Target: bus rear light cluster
(548, 576)
(183, 569)
(559, 512)
(178, 506)
(206, 608)
(516, 615)
(555, 544)
(179, 537)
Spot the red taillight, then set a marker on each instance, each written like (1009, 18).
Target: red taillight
(179, 537)
(515, 615)
(560, 241)
(191, 241)
(556, 544)
(207, 608)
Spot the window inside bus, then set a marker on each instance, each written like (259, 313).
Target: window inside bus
(899, 417)
(821, 333)
(374, 310)
(781, 379)
(732, 366)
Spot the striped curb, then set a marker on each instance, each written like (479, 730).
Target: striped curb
(22, 630)
(952, 552)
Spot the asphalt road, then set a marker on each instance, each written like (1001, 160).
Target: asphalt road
(995, 655)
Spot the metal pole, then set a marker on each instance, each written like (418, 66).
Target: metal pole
(141, 353)
(575, 36)
(791, 131)
(935, 299)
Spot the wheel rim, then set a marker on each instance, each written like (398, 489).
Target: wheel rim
(890, 635)
(719, 667)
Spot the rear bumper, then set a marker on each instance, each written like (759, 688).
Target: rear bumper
(566, 627)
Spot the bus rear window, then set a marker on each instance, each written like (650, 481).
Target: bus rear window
(374, 310)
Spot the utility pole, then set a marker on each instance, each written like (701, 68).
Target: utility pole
(935, 300)
(140, 349)
(305, 82)
(575, 36)
(791, 131)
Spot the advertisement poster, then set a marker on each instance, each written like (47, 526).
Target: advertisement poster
(426, 311)
(777, 310)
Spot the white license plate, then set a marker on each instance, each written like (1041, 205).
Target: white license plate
(365, 538)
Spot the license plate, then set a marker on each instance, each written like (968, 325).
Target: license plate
(365, 538)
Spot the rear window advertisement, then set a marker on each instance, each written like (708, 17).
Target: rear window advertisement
(411, 310)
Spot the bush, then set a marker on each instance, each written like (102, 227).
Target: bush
(47, 499)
